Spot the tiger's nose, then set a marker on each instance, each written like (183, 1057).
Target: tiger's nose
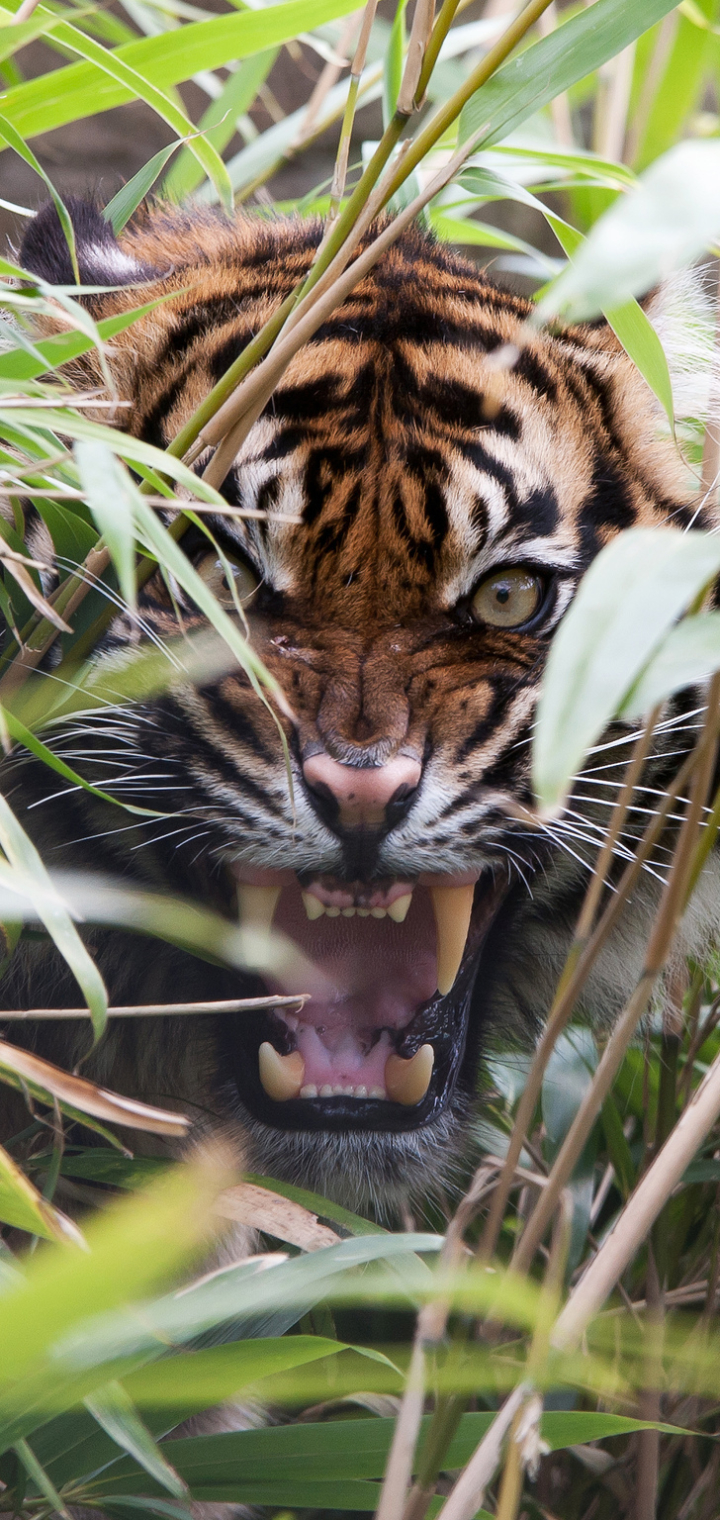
(362, 794)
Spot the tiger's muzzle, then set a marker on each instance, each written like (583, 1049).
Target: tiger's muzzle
(381, 1040)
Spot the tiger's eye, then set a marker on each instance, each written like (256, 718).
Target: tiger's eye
(508, 598)
(244, 580)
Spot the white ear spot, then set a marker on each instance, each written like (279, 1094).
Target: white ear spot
(106, 265)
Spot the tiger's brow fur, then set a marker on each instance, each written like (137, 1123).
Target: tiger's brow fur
(426, 435)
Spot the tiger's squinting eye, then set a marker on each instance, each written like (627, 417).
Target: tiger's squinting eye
(213, 572)
(508, 598)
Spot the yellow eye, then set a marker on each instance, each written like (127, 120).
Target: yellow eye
(213, 572)
(508, 598)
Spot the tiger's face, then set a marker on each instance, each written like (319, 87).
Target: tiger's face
(431, 479)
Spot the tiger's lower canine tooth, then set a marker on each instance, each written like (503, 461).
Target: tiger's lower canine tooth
(256, 906)
(453, 909)
(281, 1076)
(407, 1081)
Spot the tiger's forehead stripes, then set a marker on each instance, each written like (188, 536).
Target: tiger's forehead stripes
(415, 459)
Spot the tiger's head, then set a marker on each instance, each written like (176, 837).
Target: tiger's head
(430, 481)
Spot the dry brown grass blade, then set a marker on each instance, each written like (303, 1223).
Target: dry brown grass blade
(154, 1010)
(280, 1217)
(42, 1078)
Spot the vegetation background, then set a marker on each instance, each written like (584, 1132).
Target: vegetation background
(547, 1343)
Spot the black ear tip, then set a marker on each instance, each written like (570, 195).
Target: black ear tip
(101, 261)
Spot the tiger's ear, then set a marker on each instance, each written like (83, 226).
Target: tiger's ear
(101, 260)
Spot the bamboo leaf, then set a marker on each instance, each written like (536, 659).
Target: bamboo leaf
(23, 1207)
(664, 223)
(47, 1081)
(114, 1410)
(82, 89)
(689, 655)
(22, 854)
(626, 603)
(14, 140)
(573, 50)
(120, 209)
(110, 502)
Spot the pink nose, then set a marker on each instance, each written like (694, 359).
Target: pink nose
(361, 792)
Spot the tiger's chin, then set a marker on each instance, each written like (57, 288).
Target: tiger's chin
(363, 1091)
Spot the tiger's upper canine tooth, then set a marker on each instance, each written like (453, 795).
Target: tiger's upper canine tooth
(407, 1081)
(256, 906)
(398, 910)
(313, 906)
(281, 1076)
(453, 911)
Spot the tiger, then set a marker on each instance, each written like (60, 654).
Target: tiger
(425, 490)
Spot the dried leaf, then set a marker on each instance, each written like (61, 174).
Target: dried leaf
(280, 1217)
(43, 1079)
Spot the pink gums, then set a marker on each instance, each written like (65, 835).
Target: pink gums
(380, 973)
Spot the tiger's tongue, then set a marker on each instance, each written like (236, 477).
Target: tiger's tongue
(378, 973)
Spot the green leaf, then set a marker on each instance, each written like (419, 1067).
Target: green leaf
(568, 1075)
(572, 51)
(82, 89)
(640, 340)
(618, 1148)
(114, 1410)
(218, 121)
(633, 329)
(111, 503)
(689, 61)
(134, 1245)
(240, 1293)
(14, 140)
(283, 1462)
(663, 224)
(17, 730)
(139, 85)
(120, 209)
(689, 654)
(39, 1477)
(21, 853)
(626, 602)
(22, 1206)
(18, 364)
(192, 1381)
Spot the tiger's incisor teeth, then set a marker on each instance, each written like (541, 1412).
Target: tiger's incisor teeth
(256, 906)
(407, 1081)
(453, 910)
(398, 909)
(281, 1076)
(313, 906)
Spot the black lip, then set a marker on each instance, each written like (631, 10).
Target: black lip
(442, 1021)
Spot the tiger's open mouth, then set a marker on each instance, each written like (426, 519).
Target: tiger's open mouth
(381, 1041)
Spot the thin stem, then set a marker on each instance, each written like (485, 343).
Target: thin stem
(337, 189)
(448, 113)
